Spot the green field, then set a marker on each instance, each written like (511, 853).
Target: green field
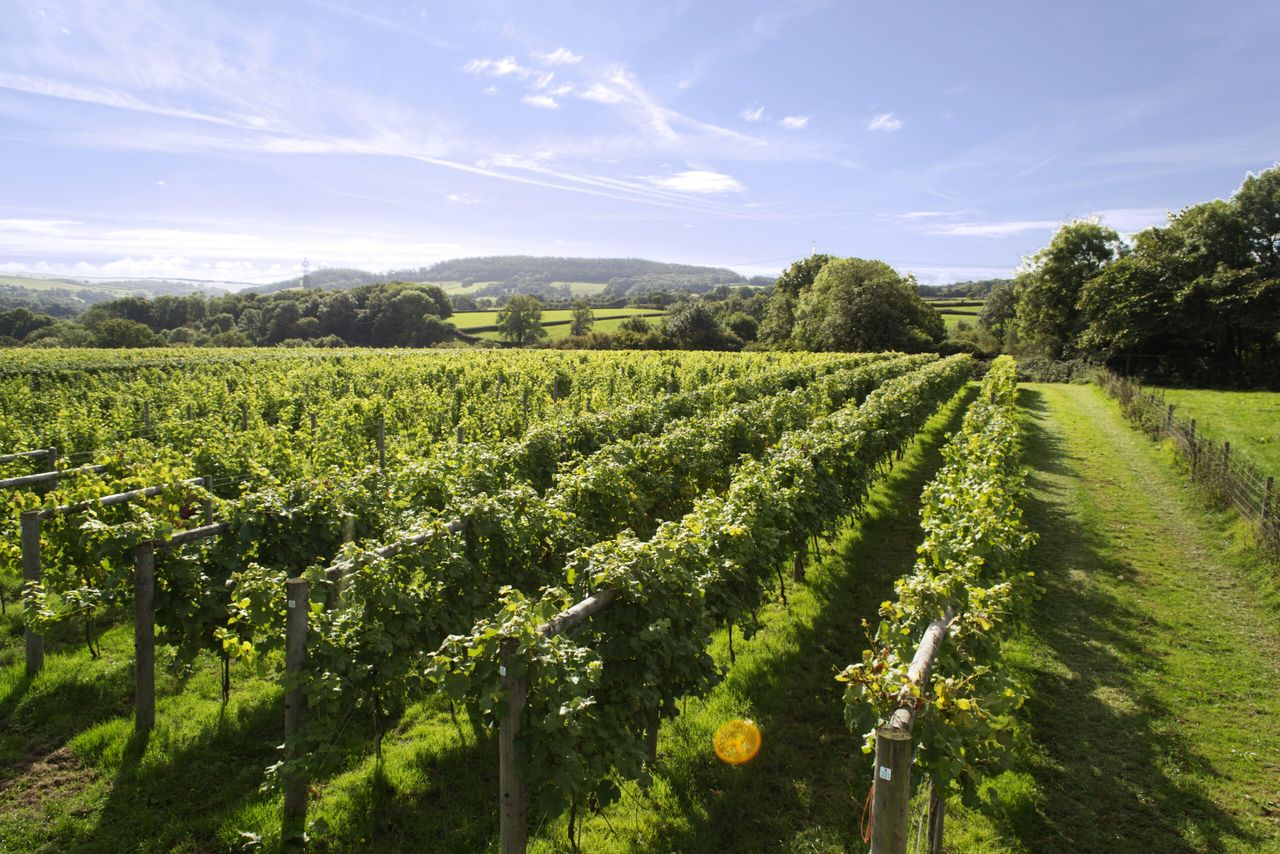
(606, 320)
(1249, 420)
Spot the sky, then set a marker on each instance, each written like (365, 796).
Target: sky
(231, 140)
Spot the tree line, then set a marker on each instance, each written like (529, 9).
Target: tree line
(1196, 301)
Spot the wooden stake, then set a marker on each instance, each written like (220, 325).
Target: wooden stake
(295, 703)
(244, 416)
(891, 793)
(513, 797)
(208, 500)
(650, 748)
(382, 442)
(1266, 503)
(937, 814)
(797, 566)
(31, 574)
(144, 636)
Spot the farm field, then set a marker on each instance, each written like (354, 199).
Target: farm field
(1249, 420)
(578, 289)
(1148, 659)
(553, 320)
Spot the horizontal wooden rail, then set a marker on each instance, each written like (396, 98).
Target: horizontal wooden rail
(121, 497)
(48, 476)
(24, 455)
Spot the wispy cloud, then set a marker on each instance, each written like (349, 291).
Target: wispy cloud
(995, 229)
(543, 102)
(697, 181)
(463, 199)
(793, 122)
(885, 122)
(753, 113)
(559, 56)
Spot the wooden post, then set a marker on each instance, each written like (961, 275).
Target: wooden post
(650, 748)
(1266, 502)
(891, 793)
(797, 566)
(1195, 452)
(937, 814)
(462, 434)
(144, 636)
(244, 416)
(53, 459)
(513, 797)
(1226, 463)
(188, 412)
(208, 500)
(146, 415)
(382, 442)
(31, 574)
(1168, 420)
(313, 422)
(295, 704)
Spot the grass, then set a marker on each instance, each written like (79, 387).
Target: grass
(467, 320)
(1249, 420)
(1151, 658)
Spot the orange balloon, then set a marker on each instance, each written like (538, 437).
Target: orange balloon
(737, 742)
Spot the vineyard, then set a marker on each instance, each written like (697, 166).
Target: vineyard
(259, 598)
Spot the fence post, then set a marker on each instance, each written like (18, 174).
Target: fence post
(144, 636)
(244, 416)
(295, 704)
(313, 423)
(53, 459)
(1266, 503)
(146, 415)
(797, 566)
(650, 747)
(513, 798)
(937, 814)
(208, 500)
(891, 791)
(1195, 450)
(1226, 466)
(1168, 420)
(31, 574)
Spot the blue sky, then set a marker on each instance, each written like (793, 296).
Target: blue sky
(230, 140)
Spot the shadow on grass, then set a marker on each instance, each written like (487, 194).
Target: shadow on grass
(806, 788)
(1101, 738)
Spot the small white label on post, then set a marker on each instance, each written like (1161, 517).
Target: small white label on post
(502, 671)
(886, 773)
(291, 603)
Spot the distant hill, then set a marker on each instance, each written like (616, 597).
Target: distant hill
(976, 288)
(500, 275)
(66, 297)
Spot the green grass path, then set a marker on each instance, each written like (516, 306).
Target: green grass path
(1153, 661)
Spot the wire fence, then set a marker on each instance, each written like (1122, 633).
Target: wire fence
(1227, 475)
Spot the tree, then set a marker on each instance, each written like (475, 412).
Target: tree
(779, 319)
(743, 325)
(1048, 290)
(801, 275)
(636, 324)
(119, 332)
(583, 319)
(860, 305)
(520, 320)
(693, 325)
(999, 310)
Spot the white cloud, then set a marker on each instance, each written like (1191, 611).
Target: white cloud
(928, 214)
(602, 94)
(1131, 220)
(885, 122)
(463, 199)
(505, 67)
(544, 102)
(753, 113)
(37, 226)
(559, 56)
(793, 122)
(491, 90)
(697, 181)
(995, 229)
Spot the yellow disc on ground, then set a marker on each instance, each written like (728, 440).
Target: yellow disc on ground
(737, 742)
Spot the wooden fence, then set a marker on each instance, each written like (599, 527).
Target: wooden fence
(1212, 463)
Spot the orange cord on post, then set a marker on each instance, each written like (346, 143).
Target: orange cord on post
(867, 813)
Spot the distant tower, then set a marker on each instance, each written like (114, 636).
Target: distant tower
(306, 273)
(813, 248)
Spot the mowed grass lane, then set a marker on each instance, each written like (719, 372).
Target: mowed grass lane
(1152, 659)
